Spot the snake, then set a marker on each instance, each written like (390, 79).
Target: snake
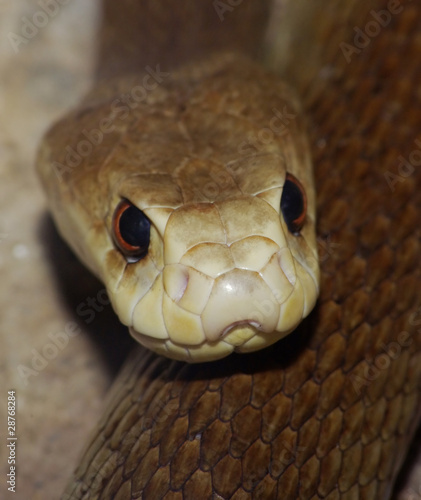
(280, 352)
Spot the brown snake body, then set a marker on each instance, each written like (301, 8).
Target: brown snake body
(329, 411)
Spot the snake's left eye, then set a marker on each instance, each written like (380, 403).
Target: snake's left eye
(131, 230)
(293, 204)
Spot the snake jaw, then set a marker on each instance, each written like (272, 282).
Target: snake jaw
(240, 309)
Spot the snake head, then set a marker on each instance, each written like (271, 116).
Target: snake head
(198, 213)
(234, 272)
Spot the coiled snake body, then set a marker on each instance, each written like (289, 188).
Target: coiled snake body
(327, 412)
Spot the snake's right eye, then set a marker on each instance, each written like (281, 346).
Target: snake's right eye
(131, 231)
(293, 204)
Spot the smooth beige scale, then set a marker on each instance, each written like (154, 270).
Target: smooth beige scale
(222, 273)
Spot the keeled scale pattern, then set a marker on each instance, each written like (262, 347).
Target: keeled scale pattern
(329, 411)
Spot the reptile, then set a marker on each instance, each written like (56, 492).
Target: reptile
(212, 130)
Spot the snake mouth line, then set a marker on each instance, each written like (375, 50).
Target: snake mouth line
(251, 323)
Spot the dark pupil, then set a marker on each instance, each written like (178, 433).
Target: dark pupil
(135, 228)
(292, 205)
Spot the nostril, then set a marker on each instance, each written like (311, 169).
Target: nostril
(176, 279)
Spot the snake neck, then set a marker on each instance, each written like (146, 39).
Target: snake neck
(137, 33)
(281, 33)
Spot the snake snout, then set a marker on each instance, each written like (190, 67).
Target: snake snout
(239, 298)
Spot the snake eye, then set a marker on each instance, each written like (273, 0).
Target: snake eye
(131, 230)
(293, 204)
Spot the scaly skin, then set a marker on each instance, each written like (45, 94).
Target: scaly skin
(329, 411)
